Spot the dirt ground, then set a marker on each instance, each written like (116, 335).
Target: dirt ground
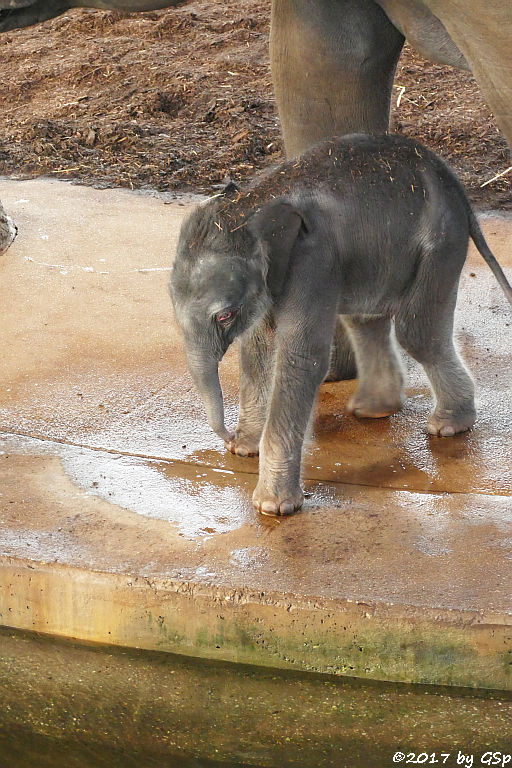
(178, 100)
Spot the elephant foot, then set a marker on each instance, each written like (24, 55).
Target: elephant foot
(343, 363)
(374, 405)
(243, 444)
(447, 424)
(380, 393)
(277, 502)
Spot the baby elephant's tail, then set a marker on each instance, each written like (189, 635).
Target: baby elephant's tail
(480, 242)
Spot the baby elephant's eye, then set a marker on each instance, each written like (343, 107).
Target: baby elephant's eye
(226, 316)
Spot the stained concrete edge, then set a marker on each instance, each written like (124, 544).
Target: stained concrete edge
(378, 642)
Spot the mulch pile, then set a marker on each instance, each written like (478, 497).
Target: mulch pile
(178, 100)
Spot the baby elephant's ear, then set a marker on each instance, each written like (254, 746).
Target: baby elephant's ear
(277, 227)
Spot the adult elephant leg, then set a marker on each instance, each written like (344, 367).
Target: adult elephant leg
(482, 31)
(333, 63)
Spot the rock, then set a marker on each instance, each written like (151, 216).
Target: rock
(8, 230)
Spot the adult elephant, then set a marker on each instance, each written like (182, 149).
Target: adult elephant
(333, 61)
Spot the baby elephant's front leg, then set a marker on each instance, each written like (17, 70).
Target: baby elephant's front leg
(299, 372)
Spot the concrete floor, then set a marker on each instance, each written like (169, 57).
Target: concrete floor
(123, 520)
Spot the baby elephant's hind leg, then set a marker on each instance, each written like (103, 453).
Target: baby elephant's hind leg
(425, 330)
(342, 364)
(380, 390)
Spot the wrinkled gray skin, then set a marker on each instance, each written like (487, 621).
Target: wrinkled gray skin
(359, 230)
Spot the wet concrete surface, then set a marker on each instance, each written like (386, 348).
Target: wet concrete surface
(123, 520)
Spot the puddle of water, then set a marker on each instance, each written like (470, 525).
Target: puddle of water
(197, 502)
(250, 557)
(200, 501)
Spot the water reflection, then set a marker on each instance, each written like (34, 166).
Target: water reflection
(200, 501)
(69, 706)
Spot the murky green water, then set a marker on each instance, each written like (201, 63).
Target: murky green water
(76, 706)
(24, 749)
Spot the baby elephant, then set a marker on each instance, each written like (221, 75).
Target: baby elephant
(364, 228)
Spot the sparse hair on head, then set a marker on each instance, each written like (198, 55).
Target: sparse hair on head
(211, 226)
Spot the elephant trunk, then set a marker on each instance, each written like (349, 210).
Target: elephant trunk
(205, 372)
